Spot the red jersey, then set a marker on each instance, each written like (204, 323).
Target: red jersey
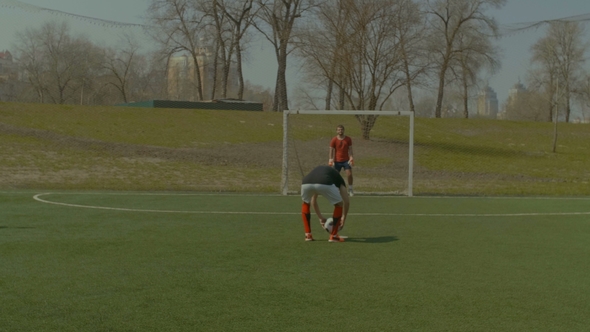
(341, 146)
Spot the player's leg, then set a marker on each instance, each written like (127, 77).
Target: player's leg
(337, 213)
(306, 217)
(348, 170)
(337, 216)
(307, 193)
(333, 195)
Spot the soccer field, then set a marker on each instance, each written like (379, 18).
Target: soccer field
(119, 261)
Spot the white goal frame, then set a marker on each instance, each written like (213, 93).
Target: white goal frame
(286, 113)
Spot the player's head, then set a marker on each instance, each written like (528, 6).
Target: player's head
(340, 129)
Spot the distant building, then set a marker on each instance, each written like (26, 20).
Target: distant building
(518, 106)
(487, 103)
(517, 91)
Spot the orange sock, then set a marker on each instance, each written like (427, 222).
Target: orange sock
(335, 228)
(305, 215)
(336, 215)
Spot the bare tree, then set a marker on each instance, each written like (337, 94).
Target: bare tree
(260, 94)
(321, 44)
(54, 62)
(561, 54)
(152, 82)
(365, 61)
(543, 81)
(121, 66)
(277, 20)
(240, 15)
(424, 105)
(449, 20)
(224, 46)
(583, 97)
(410, 23)
(526, 106)
(29, 52)
(178, 24)
(476, 53)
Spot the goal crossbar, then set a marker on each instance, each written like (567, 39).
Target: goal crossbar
(349, 112)
(286, 113)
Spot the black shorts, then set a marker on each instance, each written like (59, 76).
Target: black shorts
(339, 165)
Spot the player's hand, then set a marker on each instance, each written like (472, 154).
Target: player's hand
(351, 161)
(331, 162)
(323, 222)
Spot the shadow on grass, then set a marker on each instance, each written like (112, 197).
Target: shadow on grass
(380, 239)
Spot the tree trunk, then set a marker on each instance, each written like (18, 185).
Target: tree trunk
(240, 72)
(567, 103)
(328, 99)
(367, 122)
(408, 76)
(551, 100)
(197, 70)
(281, 87)
(341, 98)
(441, 88)
(215, 66)
(465, 99)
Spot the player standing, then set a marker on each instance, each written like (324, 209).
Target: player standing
(341, 155)
(325, 181)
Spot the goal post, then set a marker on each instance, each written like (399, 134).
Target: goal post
(378, 160)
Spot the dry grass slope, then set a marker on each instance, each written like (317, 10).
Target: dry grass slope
(116, 148)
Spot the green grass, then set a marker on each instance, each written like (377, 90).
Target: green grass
(133, 258)
(160, 127)
(78, 150)
(509, 149)
(418, 264)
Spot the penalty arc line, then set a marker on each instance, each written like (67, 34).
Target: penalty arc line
(530, 214)
(36, 197)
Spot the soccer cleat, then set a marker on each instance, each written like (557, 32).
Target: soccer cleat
(308, 237)
(335, 238)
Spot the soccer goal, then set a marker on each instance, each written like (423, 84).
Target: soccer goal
(382, 142)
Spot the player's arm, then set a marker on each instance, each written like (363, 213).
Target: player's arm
(316, 209)
(350, 157)
(331, 156)
(345, 204)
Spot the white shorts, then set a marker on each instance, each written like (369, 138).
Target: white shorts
(327, 190)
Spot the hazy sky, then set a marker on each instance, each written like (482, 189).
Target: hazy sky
(261, 68)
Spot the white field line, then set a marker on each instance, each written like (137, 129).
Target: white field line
(530, 214)
(139, 193)
(36, 197)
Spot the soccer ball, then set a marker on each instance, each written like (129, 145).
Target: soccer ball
(329, 225)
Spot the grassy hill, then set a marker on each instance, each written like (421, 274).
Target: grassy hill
(119, 148)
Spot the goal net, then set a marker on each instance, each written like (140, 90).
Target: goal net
(382, 144)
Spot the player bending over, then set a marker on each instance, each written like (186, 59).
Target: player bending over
(325, 181)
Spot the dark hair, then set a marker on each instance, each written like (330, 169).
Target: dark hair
(340, 126)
